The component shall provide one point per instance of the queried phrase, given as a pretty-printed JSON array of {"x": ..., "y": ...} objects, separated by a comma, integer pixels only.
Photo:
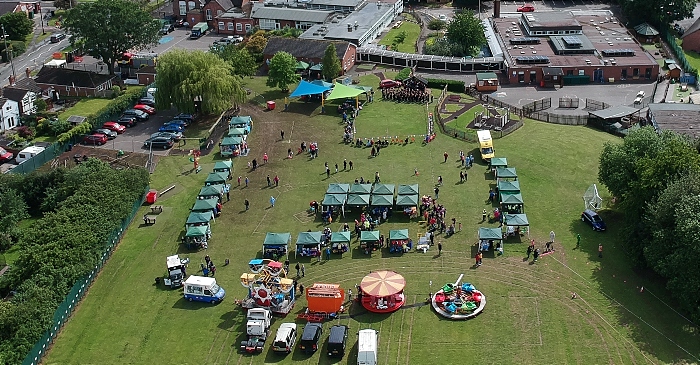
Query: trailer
[{"x": 199, "y": 30}]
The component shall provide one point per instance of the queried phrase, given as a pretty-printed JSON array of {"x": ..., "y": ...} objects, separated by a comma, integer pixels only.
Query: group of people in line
[{"x": 406, "y": 95}]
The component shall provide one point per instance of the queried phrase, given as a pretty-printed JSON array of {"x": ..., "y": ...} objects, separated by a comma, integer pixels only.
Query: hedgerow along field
[{"x": 530, "y": 317}]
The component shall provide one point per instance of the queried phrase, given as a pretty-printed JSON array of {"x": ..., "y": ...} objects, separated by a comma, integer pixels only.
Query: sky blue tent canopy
[
  {"x": 490, "y": 234},
  {"x": 338, "y": 189},
  {"x": 384, "y": 189},
  {"x": 307, "y": 88},
  {"x": 361, "y": 188},
  {"x": 508, "y": 186}
]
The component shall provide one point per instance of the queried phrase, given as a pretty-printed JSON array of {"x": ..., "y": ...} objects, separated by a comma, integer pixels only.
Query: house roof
[
  {"x": 646, "y": 29},
  {"x": 13, "y": 93},
  {"x": 27, "y": 84},
  {"x": 693, "y": 28},
  {"x": 304, "y": 48},
  {"x": 299, "y": 15},
  {"x": 228, "y": 4},
  {"x": 67, "y": 77},
  {"x": 3, "y": 101},
  {"x": 8, "y": 7},
  {"x": 151, "y": 70}
]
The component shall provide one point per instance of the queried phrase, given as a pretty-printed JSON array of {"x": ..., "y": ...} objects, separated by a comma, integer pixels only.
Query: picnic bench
[
  {"x": 157, "y": 209},
  {"x": 149, "y": 220}
]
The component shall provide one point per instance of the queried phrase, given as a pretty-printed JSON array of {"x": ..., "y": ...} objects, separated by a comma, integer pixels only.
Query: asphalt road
[{"x": 132, "y": 139}]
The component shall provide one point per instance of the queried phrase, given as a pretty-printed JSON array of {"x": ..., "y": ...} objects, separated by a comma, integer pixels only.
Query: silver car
[
  {"x": 175, "y": 136},
  {"x": 109, "y": 133}
]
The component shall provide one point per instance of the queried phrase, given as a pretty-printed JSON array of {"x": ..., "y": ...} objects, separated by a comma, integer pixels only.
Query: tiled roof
[
  {"x": 303, "y": 48},
  {"x": 62, "y": 76}
]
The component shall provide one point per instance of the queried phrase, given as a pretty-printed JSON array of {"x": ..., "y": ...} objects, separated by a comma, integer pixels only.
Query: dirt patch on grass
[{"x": 128, "y": 160}]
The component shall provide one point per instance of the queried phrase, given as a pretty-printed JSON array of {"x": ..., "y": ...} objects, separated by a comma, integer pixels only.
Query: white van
[
  {"x": 367, "y": 347},
  {"x": 28, "y": 153}
]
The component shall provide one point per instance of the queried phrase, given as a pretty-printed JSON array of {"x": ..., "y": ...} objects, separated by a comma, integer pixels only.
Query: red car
[
  {"x": 4, "y": 155},
  {"x": 145, "y": 108},
  {"x": 527, "y": 8},
  {"x": 114, "y": 126},
  {"x": 95, "y": 139},
  {"x": 385, "y": 84}
]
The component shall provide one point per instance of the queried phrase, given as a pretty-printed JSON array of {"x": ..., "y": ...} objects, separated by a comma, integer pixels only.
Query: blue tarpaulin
[{"x": 307, "y": 88}]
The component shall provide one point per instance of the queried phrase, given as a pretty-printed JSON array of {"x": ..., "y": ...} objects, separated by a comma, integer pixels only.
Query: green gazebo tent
[
  {"x": 499, "y": 162},
  {"x": 205, "y": 205},
  {"x": 506, "y": 173},
  {"x": 508, "y": 186},
  {"x": 236, "y": 132},
  {"x": 369, "y": 240},
  {"x": 398, "y": 234},
  {"x": 215, "y": 178},
  {"x": 382, "y": 200},
  {"x": 516, "y": 220},
  {"x": 509, "y": 198},
  {"x": 406, "y": 200},
  {"x": 229, "y": 144},
  {"x": 223, "y": 166},
  {"x": 276, "y": 244},
  {"x": 340, "y": 237},
  {"x": 407, "y": 189},
  {"x": 338, "y": 189},
  {"x": 195, "y": 235},
  {"x": 308, "y": 240},
  {"x": 335, "y": 200},
  {"x": 198, "y": 219},
  {"x": 358, "y": 200},
  {"x": 360, "y": 188},
  {"x": 301, "y": 65},
  {"x": 196, "y": 231},
  {"x": 383, "y": 189},
  {"x": 488, "y": 234},
  {"x": 211, "y": 191},
  {"x": 245, "y": 119}
]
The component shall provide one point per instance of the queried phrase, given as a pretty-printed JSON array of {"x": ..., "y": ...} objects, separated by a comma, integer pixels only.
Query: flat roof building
[{"x": 360, "y": 27}]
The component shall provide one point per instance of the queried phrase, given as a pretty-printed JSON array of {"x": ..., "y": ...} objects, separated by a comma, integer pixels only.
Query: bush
[
  {"x": 404, "y": 74},
  {"x": 17, "y": 47},
  {"x": 25, "y": 132},
  {"x": 452, "y": 85},
  {"x": 436, "y": 24},
  {"x": 41, "y": 105}
]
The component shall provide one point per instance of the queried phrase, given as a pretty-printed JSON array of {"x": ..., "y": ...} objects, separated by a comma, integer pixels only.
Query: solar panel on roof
[
  {"x": 618, "y": 52},
  {"x": 532, "y": 59},
  {"x": 572, "y": 41},
  {"x": 525, "y": 40}
]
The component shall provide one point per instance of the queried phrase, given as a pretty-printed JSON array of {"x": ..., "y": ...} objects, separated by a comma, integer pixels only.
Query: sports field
[{"x": 530, "y": 317}]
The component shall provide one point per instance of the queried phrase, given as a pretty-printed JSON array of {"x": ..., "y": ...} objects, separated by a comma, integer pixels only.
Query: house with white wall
[
  {"x": 25, "y": 98},
  {"x": 9, "y": 114}
]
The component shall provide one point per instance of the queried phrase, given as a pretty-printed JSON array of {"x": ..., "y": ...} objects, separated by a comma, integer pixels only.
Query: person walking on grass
[
  {"x": 350, "y": 164},
  {"x": 303, "y": 270},
  {"x": 600, "y": 250},
  {"x": 483, "y": 216},
  {"x": 345, "y": 164},
  {"x": 247, "y": 204},
  {"x": 336, "y": 168},
  {"x": 437, "y": 192},
  {"x": 298, "y": 268},
  {"x": 535, "y": 255},
  {"x": 239, "y": 181},
  {"x": 276, "y": 180},
  {"x": 439, "y": 248},
  {"x": 265, "y": 158},
  {"x": 246, "y": 181},
  {"x": 445, "y": 155},
  {"x": 272, "y": 201},
  {"x": 578, "y": 240},
  {"x": 269, "y": 182},
  {"x": 529, "y": 251},
  {"x": 282, "y": 135},
  {"x": 551, "y": 236}
]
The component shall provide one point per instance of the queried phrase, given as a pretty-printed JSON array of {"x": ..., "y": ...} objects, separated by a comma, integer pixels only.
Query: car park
[
  {"x": 527, "y": 8},
  {"x": 145, "y": 108},
  {"x": 175, "y": 136},
  {"x": 171, "y": 128},
  {"x": 189, "y": 118},
  {"x": 179, "y": 122},
  {"x": 337, "y": 340},
  {"x": 4, "y": 155},
  {"x": 167, "y": 28},
  {"x": 385, "y": 84},
  {"x": 110, "y": 134},
  {"x": 310, "y": 337},
  {"x": 95, "y": 139},
  {"x": 286, "y": 338},
  {"x": 139, "y": 115},
  {"x": 591, "y": 217},
  {"x": 114, "y": 126},
  {"x": 159, "y": 142},
  {"x": 127, "y": 121}
]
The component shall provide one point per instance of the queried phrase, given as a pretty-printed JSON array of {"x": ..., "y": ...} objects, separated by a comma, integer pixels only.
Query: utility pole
[
  {"x": 41, "y": 14},
  {"x": 8, "y": 51}
]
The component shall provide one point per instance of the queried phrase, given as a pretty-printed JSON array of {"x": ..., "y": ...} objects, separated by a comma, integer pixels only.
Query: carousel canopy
[
  {"x": 309, "y": 238},
  {"x": 506, "y": 173},
  {"x": 334, "y": 199},
  {"x": 205, "y": 204},
  {"x": 307, "y": 88},
  {"x": 338, "y": 189},
  {"x": 231, "y": 141},
  {"x": 211, "y": 190},
  {"x": 277, "y": 238},
  {"x": 361, "y": 188},
  {"x": 369, "y": 236},
  {"x": 223, "y": 165},
  {"x": 245, "y": 119},
  {"x": 358, "y": 199},
  {"x": 216, "y": 178},
  {"x": 407, "y": 189},
  {"x": 196, "y": 231},
  {"x": 383, "y": 283},
  {"x": 407, "y": 200},
  {"x": 516, "y": 199},
  {"x": 383, "y": 189},
  {"x": 398, "y": 234},
  {"x": 234, "y": 132},
  {"x": 504, "y": 186},
  {"x": 199, "y": 218},
  {"x": 382, "y": 200},
  {"x": 341, "y": 91},
  {"x": 340, "y": 237},
  {"x": 516, "y": 220},
  {"x": 499, "y": 162},
  {"x": 490, "y": 233}
]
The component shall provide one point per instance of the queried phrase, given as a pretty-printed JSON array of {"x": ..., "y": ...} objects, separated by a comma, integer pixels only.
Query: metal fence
[
  {"x": 595, "y": 105},
  {"x": 569, "y": 103},
  {"x": 678, "y": 52},
  {"x": 560, "y": 118},
  {"x": 66, "y": 308},
  {"x": 537, "y": 105}
]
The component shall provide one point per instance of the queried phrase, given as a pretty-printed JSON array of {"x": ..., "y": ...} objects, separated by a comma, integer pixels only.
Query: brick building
[{"x": 310, "y": 50}]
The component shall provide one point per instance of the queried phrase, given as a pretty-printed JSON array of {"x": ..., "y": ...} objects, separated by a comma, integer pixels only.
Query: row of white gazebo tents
[{"x": 373, "y": 195}]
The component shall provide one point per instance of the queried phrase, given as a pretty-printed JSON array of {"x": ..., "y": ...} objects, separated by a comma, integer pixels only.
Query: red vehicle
[
  {"x": 527, "y": 8},
  {"x": 4, "y": 155},
  {"x": 386, "y": 84},
  {"x": 95, "y": 139},
  {"x": 145, "y": 108},
  {"x": 114, "y": 126}
]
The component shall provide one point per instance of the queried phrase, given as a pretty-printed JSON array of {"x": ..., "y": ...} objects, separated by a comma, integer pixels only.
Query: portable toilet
[{"x": 367, "y": 347}]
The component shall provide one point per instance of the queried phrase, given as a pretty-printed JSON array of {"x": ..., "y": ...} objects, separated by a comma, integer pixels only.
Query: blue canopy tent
[{"x": 307, "y": 88}]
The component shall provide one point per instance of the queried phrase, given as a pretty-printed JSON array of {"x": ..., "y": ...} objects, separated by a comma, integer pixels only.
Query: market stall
[
  {"x": 334, "y": 201},
  {"x": 215, "y": 178},
  {"x": 225, "y": 167},
  {"x": 369, "y": 241},
  {"x": 276, "y": 245},
  {"x": 382, "y": 291},
  {"x": 360, "y": 189},
  {"x": 357, "y": 200},
  {"x": 399, "y": 241},
  {"x": 497, "y": 162},
  {"x": 230, "y": 146},
  {"x": 407, "y": 189},
  {"x": 490, "y": 238},
  {"x": 409, "y": 204},
  {"x": 516, "y": 225},
  {"x": 199, "y": 219},
  {"x": 206, "y": 205},
  {"x": 211, "y": 191},
  {"x": 243, "y": 121},
  {"x": 383, "y": 189},
  {"x": 340, "y": 242},
  {"x": 338, "y": 189},
  {"x": 308, "y": 244},
  {"x": 512, "y": 203},
  {"x": 378, "y": 200},
  {"x": 505, "y": 186},
  {"x": 506, "y": 173},
  {"x": 197, "y": 237}
]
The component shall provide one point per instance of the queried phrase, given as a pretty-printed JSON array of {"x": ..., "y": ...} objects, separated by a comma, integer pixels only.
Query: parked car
[
  {"x": 189, "y": 118},
  {"x": 145, "y": 108},
  {"x": 593, "y": 219},
  {"x": 442, "y": 17},
  {"x": 110, "y": 134},
  {"x": 385, "y": 84},
  {"x": 55, "y": 38},
  {"x": 95, "y": 139},
  {"x": 114, "y": 126},
  {"x": 139, "y": 115},
  {"x": 171, "y": 128},
  {"x": 167, "y": 28},
  {"x": 309, "y": 338},
  {"x": 148, "y": 101},
  {"x": 527, "y": 8},
  {"x": 337, "y": 340},
  {"x": 180, "y": 23},
  {"x": 286, "y": 338},
  {"x": 127, "y": 121},
  {"x": 5, "y": 156},
  {"x": 175, "y": 136},
  {"x": 179, "y": 122},
  {"x": 159, "y": 142}
]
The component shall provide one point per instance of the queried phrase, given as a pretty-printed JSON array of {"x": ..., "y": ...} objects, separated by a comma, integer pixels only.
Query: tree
[
  {"x": 184, "y": 75},
  {"x": 282, "y": 71},
  {"x": 436, "y": 24},
  {"x": 17, "y": 25},
  {"x": 256, "y": 44},
  {"x": 658, "y": 13},
  {"x": 111, "y": 27},
  {"x": 241, "y": 61},
  {"x": 466, "y": 30},
  {"x": 401, "y": 37},
  {"x": 331, "y": 63}
]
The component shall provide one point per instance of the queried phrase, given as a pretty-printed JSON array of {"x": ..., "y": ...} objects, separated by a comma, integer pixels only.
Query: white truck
[
  {"x": 176, "y": 271},
  {"x": 258, "y": 323},
  {"x": 367, "y": 347}
]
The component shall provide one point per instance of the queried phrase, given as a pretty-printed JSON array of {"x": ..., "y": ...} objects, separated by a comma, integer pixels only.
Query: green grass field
[
  {"x": 84, "y": 107},
  {"x": 530, "y": 317},
  {"x": 409, "y": 44}
]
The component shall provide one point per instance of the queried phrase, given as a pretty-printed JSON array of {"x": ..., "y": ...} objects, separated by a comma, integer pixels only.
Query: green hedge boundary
[{"x": 452, "y": 85}]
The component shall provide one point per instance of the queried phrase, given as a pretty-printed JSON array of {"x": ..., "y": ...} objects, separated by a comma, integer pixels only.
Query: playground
[
  {"x": 530, "y": 316},
  {"x": 464, "y": 112}
]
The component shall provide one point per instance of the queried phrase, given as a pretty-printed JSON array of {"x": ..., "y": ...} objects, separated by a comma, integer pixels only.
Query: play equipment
[
  {"x": 176, "y": 271},
  {"x": 491, "y": 117},
  {"x": 268, "y": 287},
  {"x": 455, "y": 301},
  {"x": 591, "y": 199},
  {"x": 258, "y": 322},
  {"x": 382, "y": 291}
]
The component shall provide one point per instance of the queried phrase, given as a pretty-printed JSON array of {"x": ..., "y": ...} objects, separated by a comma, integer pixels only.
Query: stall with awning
[
  {"x": 301, "y": 65},
  {"x": 242, "y": 121},
  {"x": 340, "y": 242},
  {"x": 338, "y": 189},
  {"x": 516, "y": 225},
  {"x": 512, "y": 203},
  {"x": 487, "y": 237},
  {"x": 237, "y": 132},
  {"x": 505, "y": 186},
  {"x": 335, "y": 200},
  {"x": 398, "y": 241},
  {"x": 361, "y": 200},
  {"x": 360, "y": 188},
  {"x": 276, "y": 245},
  {"x": 230, "y": 146},
  {"x": 199, "y": 219},
  {"x": 383, "y": 189},
  {"x": 378, "y": 200},
  {"x": 407, "y": 189},
  {"x": 211, "y": 191},
  {"x": 407, "y": 200},
  {"x": 506, "y": 173},
  {"x": 196, "y": 237},
  {"x": 215, "y": 178},
  {"x": 497, "y": 162},
  {"x": 369, "y": 240},
  {"x": 225, "y": 167},
  {"x": 205, "y": 205},
  {"x": 308, "y": 244}
]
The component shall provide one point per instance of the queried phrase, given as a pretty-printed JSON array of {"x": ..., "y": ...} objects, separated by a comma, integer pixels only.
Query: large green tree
[
  {"x": 17, "y": 25},
  {"x": 282, "y": 71},
  {"x": 331, "y": 63},
  {"x": 185, "y": 75},
  {"x": 466, "y": 30},
  {"x": 659, "y": 13},
  {"x": 109, "y": 28},
  {"x": 241, "y": 61}
]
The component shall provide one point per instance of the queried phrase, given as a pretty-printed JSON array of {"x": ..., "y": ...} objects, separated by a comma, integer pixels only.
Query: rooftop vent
[{"x": 349, "y": 27}]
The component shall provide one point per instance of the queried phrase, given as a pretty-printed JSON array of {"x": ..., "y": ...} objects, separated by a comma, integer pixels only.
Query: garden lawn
[
  {"x": 84, "y": 108},
  {"x": 694, "y": 59},
  {"x": 530, "y": 317},
  {"x": 409, "y": 44}
]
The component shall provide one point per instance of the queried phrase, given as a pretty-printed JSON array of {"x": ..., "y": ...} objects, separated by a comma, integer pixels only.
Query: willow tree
[{"x": 186, "y": 78}]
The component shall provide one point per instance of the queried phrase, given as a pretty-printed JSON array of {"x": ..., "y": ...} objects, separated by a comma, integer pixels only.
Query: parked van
[
  {"x": 485, "y": 145},
  {"x": 28, "y": 153},
  {"x": 286, "y": 338},
  {"x": 203, "y": 289},
  {"x": 367, "y": 347},
  {"x": 337, "y": 340},
  {"x": 199, "y": 30}
]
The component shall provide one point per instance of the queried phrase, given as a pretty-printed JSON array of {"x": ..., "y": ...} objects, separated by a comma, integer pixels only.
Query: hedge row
[
  {"x": 17, "y": 47},
  {"x": 452, "y": 85}
]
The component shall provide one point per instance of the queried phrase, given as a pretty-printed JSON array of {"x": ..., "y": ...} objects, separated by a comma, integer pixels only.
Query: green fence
[
  {"x": 678, "y": 52},
  {"x": 66, "y": 308}
]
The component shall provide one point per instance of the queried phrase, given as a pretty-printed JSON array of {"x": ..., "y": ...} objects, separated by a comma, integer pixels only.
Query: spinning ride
[
  {"x": 455, "y": 301},
  {"x": 268, "y": 287},
  {"x": 382, "y": 291}
]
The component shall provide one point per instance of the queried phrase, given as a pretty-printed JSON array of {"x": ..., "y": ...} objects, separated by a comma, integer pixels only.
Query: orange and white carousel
[{"x": 382, "y": 291}]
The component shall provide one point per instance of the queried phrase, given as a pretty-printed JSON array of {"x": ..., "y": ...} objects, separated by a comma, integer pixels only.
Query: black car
[
  {"x": 139, "y": 115},
  {"x": 189, "y": 118},
  {"x": 167, "y": 28},
  {"x": 127, "y": 121},
  {"x": 337, "y": 339},
  {"x": 159, "y": 142},
  {"x": 55, "y": 38},
  {"x": 110, "y": 134},
  {"x": 593, "y": 219},
  {"x": 147, "y": 101},
  {"x": 310, "y": 337}
]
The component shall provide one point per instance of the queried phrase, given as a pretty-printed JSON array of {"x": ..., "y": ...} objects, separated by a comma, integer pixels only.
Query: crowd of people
[{"x": 407, "y": 95}]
